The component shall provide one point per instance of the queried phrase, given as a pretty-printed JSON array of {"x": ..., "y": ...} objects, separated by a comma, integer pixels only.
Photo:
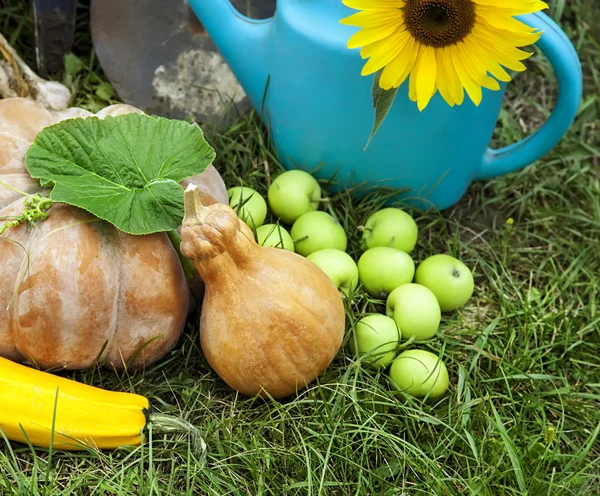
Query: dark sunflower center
[{"x": 439, "y": 23}]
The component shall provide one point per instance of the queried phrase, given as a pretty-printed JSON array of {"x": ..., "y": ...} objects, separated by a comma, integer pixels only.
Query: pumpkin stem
[
  {"x": 193, "y": 207},
  {"x": 161, "y": 423}
]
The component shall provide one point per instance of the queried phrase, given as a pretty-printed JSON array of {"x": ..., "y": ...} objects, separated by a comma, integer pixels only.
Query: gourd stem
[
  {"x": 186, "y": 263},
  {"x": 192, "y": 204},
  {"x": 35, "y": 207},
  {"x": 161, "y": 423}
]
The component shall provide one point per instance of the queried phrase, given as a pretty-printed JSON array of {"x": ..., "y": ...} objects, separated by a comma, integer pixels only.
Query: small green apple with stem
[
  {"x": 416, "y": 311},
  {"x": 314, "y": 231},
  {"x": 275, "y": 236},
  {"x": 382, "y": 269},
  {"x": 339, "y": 266},
  {"x": 419, "y": 373},
  {"x": 450, "y": 280},
  {"x": 293, "y": 193},
  {"x": 377, "y": 336},
  {"x": 249, "y": 204},
  {"x": 391, "y": 227}
]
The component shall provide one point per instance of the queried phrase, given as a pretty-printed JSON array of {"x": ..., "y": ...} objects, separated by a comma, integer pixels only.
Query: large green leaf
[
  {"x": 382, "y": 102},
  {"x": 124, "y": 169}
]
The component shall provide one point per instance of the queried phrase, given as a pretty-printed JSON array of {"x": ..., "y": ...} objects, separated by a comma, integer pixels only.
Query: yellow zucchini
[{"x": 32, "y": 402}]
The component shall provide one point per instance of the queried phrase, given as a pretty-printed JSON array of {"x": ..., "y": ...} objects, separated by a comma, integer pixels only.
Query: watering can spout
[{"x": 243, "y": 43}]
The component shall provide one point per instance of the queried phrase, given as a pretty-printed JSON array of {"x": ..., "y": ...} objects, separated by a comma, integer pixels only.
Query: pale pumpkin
[
  {"x": 74, "y": 290},
  {"x": 271, "y": 320}
]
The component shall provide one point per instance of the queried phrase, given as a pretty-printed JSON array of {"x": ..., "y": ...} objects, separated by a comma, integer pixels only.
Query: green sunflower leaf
[
  {"x": 125, "y": 169},
  {"x": 382, "y": 102}
]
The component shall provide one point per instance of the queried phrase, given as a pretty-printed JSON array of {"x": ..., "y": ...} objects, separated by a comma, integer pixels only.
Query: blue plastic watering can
[{"x": 306, "y": 86}]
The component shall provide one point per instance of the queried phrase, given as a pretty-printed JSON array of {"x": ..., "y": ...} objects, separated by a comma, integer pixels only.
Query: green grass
[{"x": 522, "y": 416}]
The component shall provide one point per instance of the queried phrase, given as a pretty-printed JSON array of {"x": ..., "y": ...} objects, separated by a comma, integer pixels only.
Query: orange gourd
[
  {"x": 74, "y": 290},
  {"x": 271, "y": 320}
]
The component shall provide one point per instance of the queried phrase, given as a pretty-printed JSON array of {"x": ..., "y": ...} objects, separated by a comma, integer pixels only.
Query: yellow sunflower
[{"x": 443, "y": 45}]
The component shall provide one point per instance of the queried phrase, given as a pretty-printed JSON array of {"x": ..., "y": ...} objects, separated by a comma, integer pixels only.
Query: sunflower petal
[
  {"x": 395, "y": 72},
  {"x": 472, "y": 88},
  {"x": 476, "y": 71},
  {"x": 451, "y": 76},
  {"x": 383, "y": 52},
  {"x": 374, "y": 4},
  {"x": 373, "y": 19},
  {"x": 501, "y": 57},
  {"x": 405, "y": 64},
  {"x": 502, "y": 21},
  {"x": 519, "y": 6},
  {"x": 519, "y": 39},
  {"x": 371, "y": 35},
  {"x": 412, "y": 80},
  {"x": 411, "y": 47},
  {"x": 510, "y": 39},
  {"x": 412, "y": 86},
  {"x": 486, "y": 61},
  {"x": 442, "y": 80},
  {"x": 426, "y": 76},
  {"x": 380, "y": 48}
]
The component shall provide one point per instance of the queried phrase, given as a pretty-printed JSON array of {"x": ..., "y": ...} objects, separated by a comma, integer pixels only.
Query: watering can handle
[{"x": 563, "y": 57}]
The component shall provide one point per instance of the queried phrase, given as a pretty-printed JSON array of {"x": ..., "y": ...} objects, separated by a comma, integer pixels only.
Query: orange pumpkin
[{"x": 75, "y": 290}]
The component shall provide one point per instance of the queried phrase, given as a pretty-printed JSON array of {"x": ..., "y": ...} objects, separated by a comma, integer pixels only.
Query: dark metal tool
[
  {"x": 159, "y": 58},
  {"x": 54, "y": 33}
]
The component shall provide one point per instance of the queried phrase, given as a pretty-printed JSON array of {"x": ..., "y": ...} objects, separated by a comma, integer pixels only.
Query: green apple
[
  {"x": 419, "y": 373},
  {"x": 416, "y": 311},
  {"x": 382, "y": 269},
  {"x": 339, "y": 266},
  {"x": 391, "y": 227},
  {"x": 249, "y": 204},
  {"x": 314, "y": 231},
  {"x": 450, "y": 280},
  {"x": 377, "y": 336},
  {"x": 293, "y": 193},
  {"x": 275, "y": 236}
]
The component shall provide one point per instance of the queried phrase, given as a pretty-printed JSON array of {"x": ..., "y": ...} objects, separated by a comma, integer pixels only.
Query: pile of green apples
[{"x": 415, "y": 296}]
